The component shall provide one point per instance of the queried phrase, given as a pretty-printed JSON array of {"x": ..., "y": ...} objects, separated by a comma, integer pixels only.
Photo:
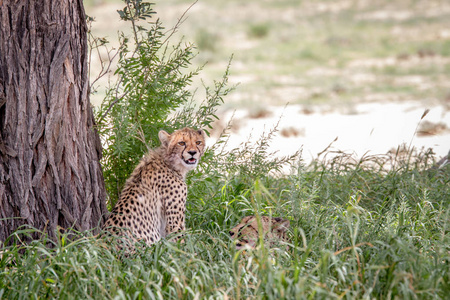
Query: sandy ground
[{"x": 369, "y": 129}]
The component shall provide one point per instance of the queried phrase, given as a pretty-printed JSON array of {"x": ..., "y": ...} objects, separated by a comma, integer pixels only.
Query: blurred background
[{"x": 353, "y": 76}]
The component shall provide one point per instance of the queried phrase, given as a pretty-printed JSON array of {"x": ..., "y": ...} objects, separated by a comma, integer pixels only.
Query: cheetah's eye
[
  {"x": 181, "y": 143},
  {"x": 198, "y": 142}
]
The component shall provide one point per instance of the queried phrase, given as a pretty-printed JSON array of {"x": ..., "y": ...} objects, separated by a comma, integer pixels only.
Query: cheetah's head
[
  {"x": 247, "y": 231},
  {"x": 183, "y": 148}
]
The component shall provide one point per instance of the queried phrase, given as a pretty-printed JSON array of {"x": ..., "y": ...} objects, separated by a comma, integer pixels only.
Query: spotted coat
[
  {"x": 153, "y": 200},
  {"x": 247, "y": 231}
]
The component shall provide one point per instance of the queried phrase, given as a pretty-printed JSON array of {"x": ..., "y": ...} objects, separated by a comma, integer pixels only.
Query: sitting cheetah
[
  {"x": 153, "y": 200},
  {"x": 247, "y": 232}
]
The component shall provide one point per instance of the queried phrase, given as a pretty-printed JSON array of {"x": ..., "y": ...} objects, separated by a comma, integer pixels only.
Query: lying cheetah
[
  {"x": 247, "y": 232},
  {"x": 153, "y": 200}
]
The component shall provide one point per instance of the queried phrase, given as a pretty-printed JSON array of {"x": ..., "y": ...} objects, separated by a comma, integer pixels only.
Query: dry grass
[{"x": 315, "y": 51}]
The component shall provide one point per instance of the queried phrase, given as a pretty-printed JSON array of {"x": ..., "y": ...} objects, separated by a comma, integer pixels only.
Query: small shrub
[
  {"x": 206, "y": 40},
  {"x": 258, "y": 30},
  {"x": 152, "y": 92}
]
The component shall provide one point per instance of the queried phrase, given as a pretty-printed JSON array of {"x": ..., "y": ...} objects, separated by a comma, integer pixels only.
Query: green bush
[
  {"x": 258, "y": 30},
  {"x": 206, "y": 41},
  {"x": 152, "y": 92}
]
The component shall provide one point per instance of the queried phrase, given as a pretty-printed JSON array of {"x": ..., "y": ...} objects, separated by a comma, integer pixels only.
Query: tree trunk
[{"x": 50, "y": 173}]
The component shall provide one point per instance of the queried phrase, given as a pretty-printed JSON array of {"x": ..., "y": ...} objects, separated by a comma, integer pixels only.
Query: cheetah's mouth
[{"x": 190, "y": 161}]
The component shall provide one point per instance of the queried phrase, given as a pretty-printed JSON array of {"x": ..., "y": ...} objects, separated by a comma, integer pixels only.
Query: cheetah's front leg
[{"x": 175, "y": 220}]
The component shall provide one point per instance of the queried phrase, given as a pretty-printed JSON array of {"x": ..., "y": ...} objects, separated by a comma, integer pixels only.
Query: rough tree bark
[{"x": 49, "y": 150}]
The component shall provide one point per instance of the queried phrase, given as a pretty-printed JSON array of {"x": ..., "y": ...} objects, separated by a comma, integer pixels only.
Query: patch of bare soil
[{"x": 428, "y": 128}]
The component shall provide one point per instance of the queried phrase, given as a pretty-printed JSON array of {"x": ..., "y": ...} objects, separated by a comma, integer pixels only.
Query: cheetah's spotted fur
[
  {"x": 152, "y": 202},
  {"x": 247, "y": 231}
]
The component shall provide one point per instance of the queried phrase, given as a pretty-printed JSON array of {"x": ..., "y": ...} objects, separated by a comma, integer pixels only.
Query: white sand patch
[
  {"x": 241, "y": 79},
  {"x": 382, "y": 15},
  {"x": 374, "y": 128}
]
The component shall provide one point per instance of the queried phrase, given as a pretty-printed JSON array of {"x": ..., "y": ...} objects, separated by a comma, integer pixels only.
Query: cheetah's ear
[
  {"x": 281, "y": 225},
  {"x": 201, "y": 132},
  {"x": 164, "y": 137},
  {"x": 246, "y": 219}
]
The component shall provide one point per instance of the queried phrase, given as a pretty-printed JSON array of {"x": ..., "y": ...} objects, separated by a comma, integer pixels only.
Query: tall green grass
[{"x": 357, "y": 232}]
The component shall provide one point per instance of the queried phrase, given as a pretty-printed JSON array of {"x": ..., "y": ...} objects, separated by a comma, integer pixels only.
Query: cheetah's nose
[{"x": 192, "y": 152}]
